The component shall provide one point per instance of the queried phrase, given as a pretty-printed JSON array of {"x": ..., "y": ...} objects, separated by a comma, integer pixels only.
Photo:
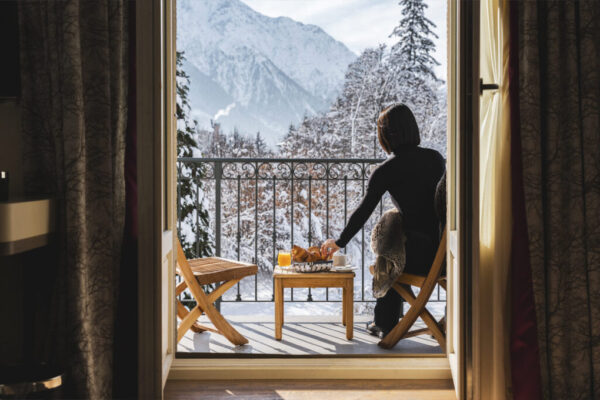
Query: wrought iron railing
[{"x": 260, "y": 205}]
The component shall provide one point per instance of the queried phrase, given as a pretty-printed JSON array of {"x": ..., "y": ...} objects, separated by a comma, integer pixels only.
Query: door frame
[
  {"x": 468, "y": 218},
  {"x": 463, "y": 194},
  {"x": 155, "y": 27},
  {"x": 156, "y": 180}
]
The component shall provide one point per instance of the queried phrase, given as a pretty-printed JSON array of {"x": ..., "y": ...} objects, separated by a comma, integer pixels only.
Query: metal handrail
[{"x": 271, "y": 172}]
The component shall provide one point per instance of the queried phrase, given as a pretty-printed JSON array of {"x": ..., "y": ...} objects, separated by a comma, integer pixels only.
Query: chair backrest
[
  {"x": 438, "y": 262},
  {"x": 185, "y": 270},
  {"x": 441, "y": 251}
]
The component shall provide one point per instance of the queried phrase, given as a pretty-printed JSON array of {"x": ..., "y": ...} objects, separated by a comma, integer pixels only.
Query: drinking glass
[{"x": 284, "y": 258}]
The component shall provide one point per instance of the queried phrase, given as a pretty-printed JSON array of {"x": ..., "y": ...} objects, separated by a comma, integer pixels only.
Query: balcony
[{"x": 256, "y": 206}]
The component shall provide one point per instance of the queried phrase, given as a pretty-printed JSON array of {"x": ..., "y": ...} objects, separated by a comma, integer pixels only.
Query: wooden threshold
[
  {"x": 312, "y": 389},
  {"x": 203, "y": 356},
  {"x": 421, "y": 367}
]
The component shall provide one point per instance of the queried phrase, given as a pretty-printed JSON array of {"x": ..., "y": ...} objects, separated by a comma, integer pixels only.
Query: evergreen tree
[
  {"x": 260, "y": 147},
  {"x": 414, "y": 49},
  {"x": 197, "y": 242},
  {"x": 413, "y": 63}
]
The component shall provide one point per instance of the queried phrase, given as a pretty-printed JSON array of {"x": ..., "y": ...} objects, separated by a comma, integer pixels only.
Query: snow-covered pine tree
[
  {"x": 260, "y": 146},
  {"x": 285, "y": 147},
  {"x": 414, "y": 49},
  {"x": 194, "y": 236},
  {"x": 413, "y": 62},
  {"x": 303, "y": 141}
]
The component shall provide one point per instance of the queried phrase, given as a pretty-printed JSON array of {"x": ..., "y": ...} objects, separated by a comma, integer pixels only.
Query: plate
[{"x": 344, "y": 268}]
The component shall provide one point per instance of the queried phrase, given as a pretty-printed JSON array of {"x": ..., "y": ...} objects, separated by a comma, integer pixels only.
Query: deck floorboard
[{"x": 302, "y": 335}]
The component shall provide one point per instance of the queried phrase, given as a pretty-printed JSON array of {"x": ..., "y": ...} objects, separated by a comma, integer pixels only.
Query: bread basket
[{"x": 317, "y": 266}]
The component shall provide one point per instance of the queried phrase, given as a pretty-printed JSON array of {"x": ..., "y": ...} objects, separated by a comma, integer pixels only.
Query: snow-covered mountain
[{"x": 255, "y": 72}]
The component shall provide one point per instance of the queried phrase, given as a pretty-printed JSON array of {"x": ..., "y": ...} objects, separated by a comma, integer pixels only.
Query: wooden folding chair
[
  {"x": 206, "y": 271},
  {"x": 417, "y": 304}
]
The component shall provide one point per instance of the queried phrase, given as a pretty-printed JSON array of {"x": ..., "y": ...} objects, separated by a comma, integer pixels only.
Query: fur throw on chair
[{"x": 388, "y": 243}]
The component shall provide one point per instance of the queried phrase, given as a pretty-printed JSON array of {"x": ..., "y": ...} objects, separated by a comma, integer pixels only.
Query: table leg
[
  {"x": 344, "y": 308},
  {"x": 278, "y": 308},
  {"x": 349, "y": 306}
]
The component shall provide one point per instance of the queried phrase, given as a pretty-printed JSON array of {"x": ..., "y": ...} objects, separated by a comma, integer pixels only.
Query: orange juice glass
[{"x": 284, "y": 258}]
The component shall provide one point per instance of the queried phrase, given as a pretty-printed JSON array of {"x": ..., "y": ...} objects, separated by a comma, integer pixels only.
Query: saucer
[{"x": 344, "y": 268}]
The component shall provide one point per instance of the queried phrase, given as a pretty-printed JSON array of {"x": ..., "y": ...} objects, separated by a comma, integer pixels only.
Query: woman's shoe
[{"x": 373, "y": 329}]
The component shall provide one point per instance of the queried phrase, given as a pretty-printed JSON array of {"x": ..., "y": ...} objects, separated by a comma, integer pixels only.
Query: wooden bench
[{"x": 208, "y": 271}]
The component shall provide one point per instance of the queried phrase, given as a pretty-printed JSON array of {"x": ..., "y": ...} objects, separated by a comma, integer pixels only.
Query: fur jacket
[{"x": 388, "y": 243}]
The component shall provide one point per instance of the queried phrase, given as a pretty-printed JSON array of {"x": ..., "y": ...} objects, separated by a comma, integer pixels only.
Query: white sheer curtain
[{"x": 495, "y": 217}]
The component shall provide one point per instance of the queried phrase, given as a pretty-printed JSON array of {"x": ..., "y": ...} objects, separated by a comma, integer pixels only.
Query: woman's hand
[{"x": 328, "y": 248}]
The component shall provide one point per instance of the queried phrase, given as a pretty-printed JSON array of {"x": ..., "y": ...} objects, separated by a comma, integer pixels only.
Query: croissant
[
  {"x": 312, "y": 254},
  {"x": 299, "y": 254}
]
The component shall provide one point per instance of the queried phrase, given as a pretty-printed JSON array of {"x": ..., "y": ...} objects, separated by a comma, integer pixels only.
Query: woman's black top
[{"x": 410, "y": 176}]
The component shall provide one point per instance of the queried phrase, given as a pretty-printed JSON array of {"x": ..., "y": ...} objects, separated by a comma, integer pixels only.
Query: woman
[{"x": 410, "y": 175}]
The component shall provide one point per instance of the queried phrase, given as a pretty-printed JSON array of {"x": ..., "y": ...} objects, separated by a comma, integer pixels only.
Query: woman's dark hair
[{"x": 396, "y": 127}]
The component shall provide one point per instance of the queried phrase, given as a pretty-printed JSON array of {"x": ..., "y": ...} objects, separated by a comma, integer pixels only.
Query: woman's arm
[
  {"x": 356, "y": 221},
  {"x": 360, "y": 216},
  {"x": 375, "y": 189}
]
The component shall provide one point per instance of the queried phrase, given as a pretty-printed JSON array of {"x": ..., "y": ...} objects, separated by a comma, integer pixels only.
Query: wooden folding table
[{"x": 344, "y": 280}]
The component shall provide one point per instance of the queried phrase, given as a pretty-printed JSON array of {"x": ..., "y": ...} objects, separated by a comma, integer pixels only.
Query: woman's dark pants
[
  {"x": 388, "y": 310},
  {"x": 420, "y": 251}
]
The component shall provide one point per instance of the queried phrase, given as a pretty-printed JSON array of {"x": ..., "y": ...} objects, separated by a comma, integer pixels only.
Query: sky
[{"x": 358, "y": 24}]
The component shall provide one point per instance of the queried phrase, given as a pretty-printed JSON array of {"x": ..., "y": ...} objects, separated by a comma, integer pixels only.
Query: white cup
[{"x": 339, "y": 260}]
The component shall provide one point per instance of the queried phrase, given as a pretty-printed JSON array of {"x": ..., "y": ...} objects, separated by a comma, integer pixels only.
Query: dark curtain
[
  {"x": 559, "y": 133},
  {"x": 524, "y": 351},
  {"x": 74, "y": 74},
  {"x": 126, "y": 322}
]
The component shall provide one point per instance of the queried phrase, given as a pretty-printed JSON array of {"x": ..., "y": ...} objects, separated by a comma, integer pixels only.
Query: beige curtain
[{"x": 495, "y": 202}]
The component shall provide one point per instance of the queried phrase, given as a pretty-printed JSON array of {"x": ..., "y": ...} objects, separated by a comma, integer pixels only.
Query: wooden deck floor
[{"x": 302, "y": 336}]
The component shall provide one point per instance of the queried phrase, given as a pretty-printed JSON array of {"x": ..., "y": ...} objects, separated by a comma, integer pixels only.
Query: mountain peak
[{"x": 256, "y": 59}]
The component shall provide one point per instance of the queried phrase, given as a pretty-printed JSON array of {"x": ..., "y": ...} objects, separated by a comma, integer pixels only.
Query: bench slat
[{"x": 216, "y": 269}]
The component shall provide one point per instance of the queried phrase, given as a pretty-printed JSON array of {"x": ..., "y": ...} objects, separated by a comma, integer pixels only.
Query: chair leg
[
  {"x": 182, "y": 312},
  {"x": 425, "y": 315},
  {"x": 188, "y": 321},
  {"x": 399, "y": 330},
  {"x": 416, "y": 310},
  {"x": 223, "y": 326}
]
